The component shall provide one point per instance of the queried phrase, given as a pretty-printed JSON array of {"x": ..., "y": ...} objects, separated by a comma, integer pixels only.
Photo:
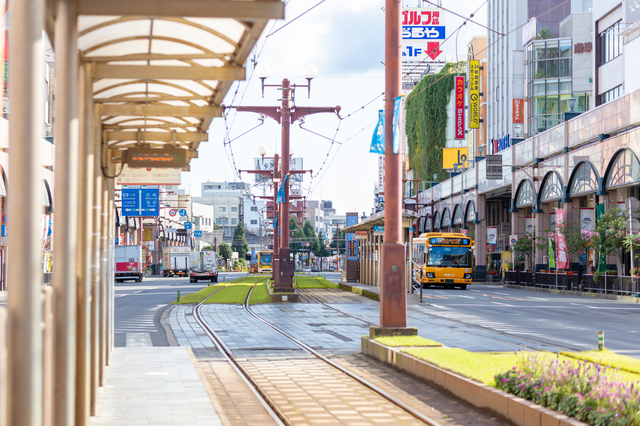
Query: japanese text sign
[
  {"x": 563, "y": 256},
  {"x": 474, "y": 94},
  {"x": 459, "y": 108}
]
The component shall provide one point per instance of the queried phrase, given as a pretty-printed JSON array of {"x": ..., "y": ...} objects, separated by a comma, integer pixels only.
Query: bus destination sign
[{"x": 449, "y": 241}]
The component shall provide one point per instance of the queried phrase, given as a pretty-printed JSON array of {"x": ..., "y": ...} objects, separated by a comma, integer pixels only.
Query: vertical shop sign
[
  {"x": 518, "y": 116},
  {"x": 459, "y": 108},
  {"x": 474, "y": 94},
  {"x": 561, "y": 242}
]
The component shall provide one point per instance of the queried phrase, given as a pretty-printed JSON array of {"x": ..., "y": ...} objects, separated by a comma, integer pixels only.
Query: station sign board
[
  {"x": 154, "y": 157},
  {"x": 361, "y": 235},
  {"x": 149, "y": 176}
]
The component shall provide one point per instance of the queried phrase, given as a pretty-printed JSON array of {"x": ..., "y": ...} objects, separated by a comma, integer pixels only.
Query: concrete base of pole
[
  {"x": 392, "y": 331},
  {"x": 393, "y": 294},
  {"x": 284, "y": 282}
]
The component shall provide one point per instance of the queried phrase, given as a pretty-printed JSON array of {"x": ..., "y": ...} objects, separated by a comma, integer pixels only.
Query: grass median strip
[
  {"x": 609, "y": 359},
  {"x": 230, "y": 292},
  {"x": 315, "y": 282},
  {"x": 476, "y": 365}
]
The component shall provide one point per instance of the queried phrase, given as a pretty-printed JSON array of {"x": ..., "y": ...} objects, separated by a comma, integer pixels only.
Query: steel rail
[
  {"x": 479, "y": 327},
  {"x": 331, "y": 307},
  {"x": 354, "y": 376},
  {"x": 269, "y": 406}
]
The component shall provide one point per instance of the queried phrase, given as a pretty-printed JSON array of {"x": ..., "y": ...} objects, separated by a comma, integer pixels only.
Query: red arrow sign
[{"x": 433, "y": 49}]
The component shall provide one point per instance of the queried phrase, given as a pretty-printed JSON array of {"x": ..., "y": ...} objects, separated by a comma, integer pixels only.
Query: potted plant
[
  {"x": 490, "y": 269},
  {"x": 635, "y": 272}
]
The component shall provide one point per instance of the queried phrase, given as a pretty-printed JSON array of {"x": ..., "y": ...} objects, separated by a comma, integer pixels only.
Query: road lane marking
[
  {"x": 503, "y": 304},
  {"x": 466, "y": 297},
  {"x": 504, "y": 294}
]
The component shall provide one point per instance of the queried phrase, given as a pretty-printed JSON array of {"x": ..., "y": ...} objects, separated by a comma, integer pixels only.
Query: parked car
[{"x": 315, "y": 269}]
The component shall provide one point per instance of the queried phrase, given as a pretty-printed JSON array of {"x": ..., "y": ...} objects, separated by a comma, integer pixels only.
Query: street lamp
[
  {"x": 263, "y": 71},
  {"x": 309, "y": 72}
]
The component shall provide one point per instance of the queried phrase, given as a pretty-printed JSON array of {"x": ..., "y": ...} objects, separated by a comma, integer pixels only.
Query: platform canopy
[
  {"x": 161, "y": 68},
  {"x": 409, "y": 218}
]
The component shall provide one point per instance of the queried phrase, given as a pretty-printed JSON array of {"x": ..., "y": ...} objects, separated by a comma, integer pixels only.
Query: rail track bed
[{"x": 297, "y": 383}]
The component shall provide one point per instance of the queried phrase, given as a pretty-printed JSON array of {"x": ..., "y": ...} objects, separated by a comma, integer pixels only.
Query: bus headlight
[
  {"x": 431, "y": 275},
  {"x": 467, "y": 276}
]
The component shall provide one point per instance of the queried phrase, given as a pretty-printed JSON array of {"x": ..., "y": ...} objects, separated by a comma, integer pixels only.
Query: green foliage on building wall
[{"x": 426, "y": 122}]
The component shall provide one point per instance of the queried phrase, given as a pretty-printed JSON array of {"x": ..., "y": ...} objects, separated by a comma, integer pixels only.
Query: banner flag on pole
[
  {"x": 280, "y": 198},
  {"x": 377, "y": 141},
  {"x": 275, "y": 220},
  {"x": 396, "y": 126},
  {"x": 552, "y": 259},
  {"x": 561, "y": 242}
]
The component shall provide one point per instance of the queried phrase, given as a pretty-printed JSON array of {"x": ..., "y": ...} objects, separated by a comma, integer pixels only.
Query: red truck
[{"x": 129, "y": 263}]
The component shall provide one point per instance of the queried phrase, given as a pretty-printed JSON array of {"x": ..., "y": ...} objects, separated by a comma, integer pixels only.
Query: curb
[
  {"x": 164, "y": 322},
  {"x": 362, "y": 292},
  {"x": 280, "y": 297},
  {"x": 629, "y": 299},
  {"x": 520, "y": 411}
]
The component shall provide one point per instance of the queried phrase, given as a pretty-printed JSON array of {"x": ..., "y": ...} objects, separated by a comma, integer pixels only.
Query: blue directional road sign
[
  {"x": 187, "y": 225},
  {"x": 183, "y": 212},
  {"x": 140, "y": 201},
  {"x": 197, "y": 234}
]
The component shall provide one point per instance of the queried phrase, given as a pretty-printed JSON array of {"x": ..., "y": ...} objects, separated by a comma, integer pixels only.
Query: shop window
[
  {"x": 624, "y": 169},
  {"x": 446, "y": 218},
  {"x": 584, "y": 180},
  {"x": 524, "y": 196}
]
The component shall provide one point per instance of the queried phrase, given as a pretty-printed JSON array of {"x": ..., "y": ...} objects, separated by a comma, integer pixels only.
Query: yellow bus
[
  {"x": 443, "y": 259},
  {"x": 264, "y": 260}
]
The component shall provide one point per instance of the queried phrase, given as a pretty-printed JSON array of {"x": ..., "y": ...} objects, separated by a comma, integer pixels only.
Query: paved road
[
  {"x": 139, "y": 306},
  {"x": 541, "y": 318}
]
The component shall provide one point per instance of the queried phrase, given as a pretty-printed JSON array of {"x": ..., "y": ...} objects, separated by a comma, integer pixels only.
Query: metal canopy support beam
[
  {"x": 146, "y": 99},
  {"x": 148, "y": 126},
  {"x": 65, "y": 219},
  {"x": 169, "y": 72},
  {"x": 155, "y": 136},
  {"x": 24, "y": 325},
  {"x": 241, "y": 10},
  {"x": 153, "y": 57},
  {"x": 161, "y": 110}
]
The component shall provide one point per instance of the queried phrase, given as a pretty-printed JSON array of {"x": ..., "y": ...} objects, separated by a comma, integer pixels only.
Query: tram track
[
  {"x": 279, "y": 417},
  {"x": 462, "y": 323}
]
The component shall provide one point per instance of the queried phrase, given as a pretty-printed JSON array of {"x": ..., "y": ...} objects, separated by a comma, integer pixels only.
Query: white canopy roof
[{"x": 160, "y": 76}]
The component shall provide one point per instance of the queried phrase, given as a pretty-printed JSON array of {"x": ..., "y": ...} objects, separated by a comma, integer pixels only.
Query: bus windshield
[
  {"x": 266, "y": 258},
  {"x": 449, "y": 256}
]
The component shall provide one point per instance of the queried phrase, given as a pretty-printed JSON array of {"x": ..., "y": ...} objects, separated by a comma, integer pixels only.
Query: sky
[{"x": 344, "y": 40}]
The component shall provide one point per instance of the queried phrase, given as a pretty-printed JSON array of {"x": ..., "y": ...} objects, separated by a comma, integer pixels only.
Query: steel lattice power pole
[
  {"x": 393, "y": 298},
  {"x": 285, "y": 115}
]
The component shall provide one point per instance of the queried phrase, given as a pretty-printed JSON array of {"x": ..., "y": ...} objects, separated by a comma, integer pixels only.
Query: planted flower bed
[{"x": 589, "y": 392}]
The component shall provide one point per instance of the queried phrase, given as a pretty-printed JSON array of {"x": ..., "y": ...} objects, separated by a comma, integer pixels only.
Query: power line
[{"x": 303, "y": 13}]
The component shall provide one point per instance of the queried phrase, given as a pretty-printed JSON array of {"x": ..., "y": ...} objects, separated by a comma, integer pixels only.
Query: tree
[
  {"x": 320, "y": 249},
  {"x": 338, "y": 241},
  {"x": 524, "y": 245},
  {"x": 215, "y": 227},
  {"x": 544, "y": 33},
  {"x": 608, "y": 238},
  {"x": 239, "y": 243},
  {"x": 208, "y": 248},
  {"x": 224, "y": 251}
]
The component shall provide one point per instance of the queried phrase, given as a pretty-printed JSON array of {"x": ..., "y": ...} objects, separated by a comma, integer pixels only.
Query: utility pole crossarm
[
  {"x": 273, "y": 112},
  {"x": 300, "y": 112},
  {"x": 268, "y": 173}
]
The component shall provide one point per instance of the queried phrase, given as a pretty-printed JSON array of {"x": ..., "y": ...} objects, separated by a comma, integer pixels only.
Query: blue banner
[
  {"x": 377, "y": 141},
  {"x": 253, "y": 255},
  {"x": 275, "y": 220},
  {"x": 396, "y": 126},
  {"x": 280, "y": 198}
]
